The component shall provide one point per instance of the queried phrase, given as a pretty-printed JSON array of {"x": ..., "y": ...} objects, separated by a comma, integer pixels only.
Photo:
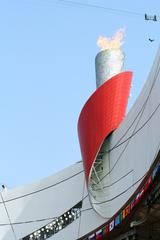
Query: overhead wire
[
  {"x": 108, "y": 9},
  {"x": 97, "y": 6},
  {"x": 112, "y": 10}
]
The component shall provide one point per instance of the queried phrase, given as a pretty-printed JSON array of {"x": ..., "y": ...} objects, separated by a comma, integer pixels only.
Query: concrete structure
[{"x": 120, "y": 173}]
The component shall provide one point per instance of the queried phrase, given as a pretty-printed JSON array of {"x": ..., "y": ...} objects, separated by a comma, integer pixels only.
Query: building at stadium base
[{"x": 113, "y": 193}]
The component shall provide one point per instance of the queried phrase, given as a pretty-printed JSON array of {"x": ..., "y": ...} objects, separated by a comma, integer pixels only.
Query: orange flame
[{"x": 111, "y": 43}]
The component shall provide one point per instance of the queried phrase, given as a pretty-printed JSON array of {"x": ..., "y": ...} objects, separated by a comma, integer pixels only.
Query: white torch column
[{"x": 108, "y": 63}]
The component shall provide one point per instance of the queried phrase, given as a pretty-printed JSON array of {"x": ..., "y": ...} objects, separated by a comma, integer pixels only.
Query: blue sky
[{"x": 47, "y": 53}]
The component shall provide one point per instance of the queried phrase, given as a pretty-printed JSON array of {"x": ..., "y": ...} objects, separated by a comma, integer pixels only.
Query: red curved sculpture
[{"x": 102, "y": 114}]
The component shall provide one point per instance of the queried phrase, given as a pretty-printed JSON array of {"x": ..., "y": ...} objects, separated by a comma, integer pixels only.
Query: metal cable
[{"x": 96, "y": 6}]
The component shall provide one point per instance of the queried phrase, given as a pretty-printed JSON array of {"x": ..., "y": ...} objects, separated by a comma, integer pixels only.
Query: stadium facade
[{"x": 110, "y": 192}]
